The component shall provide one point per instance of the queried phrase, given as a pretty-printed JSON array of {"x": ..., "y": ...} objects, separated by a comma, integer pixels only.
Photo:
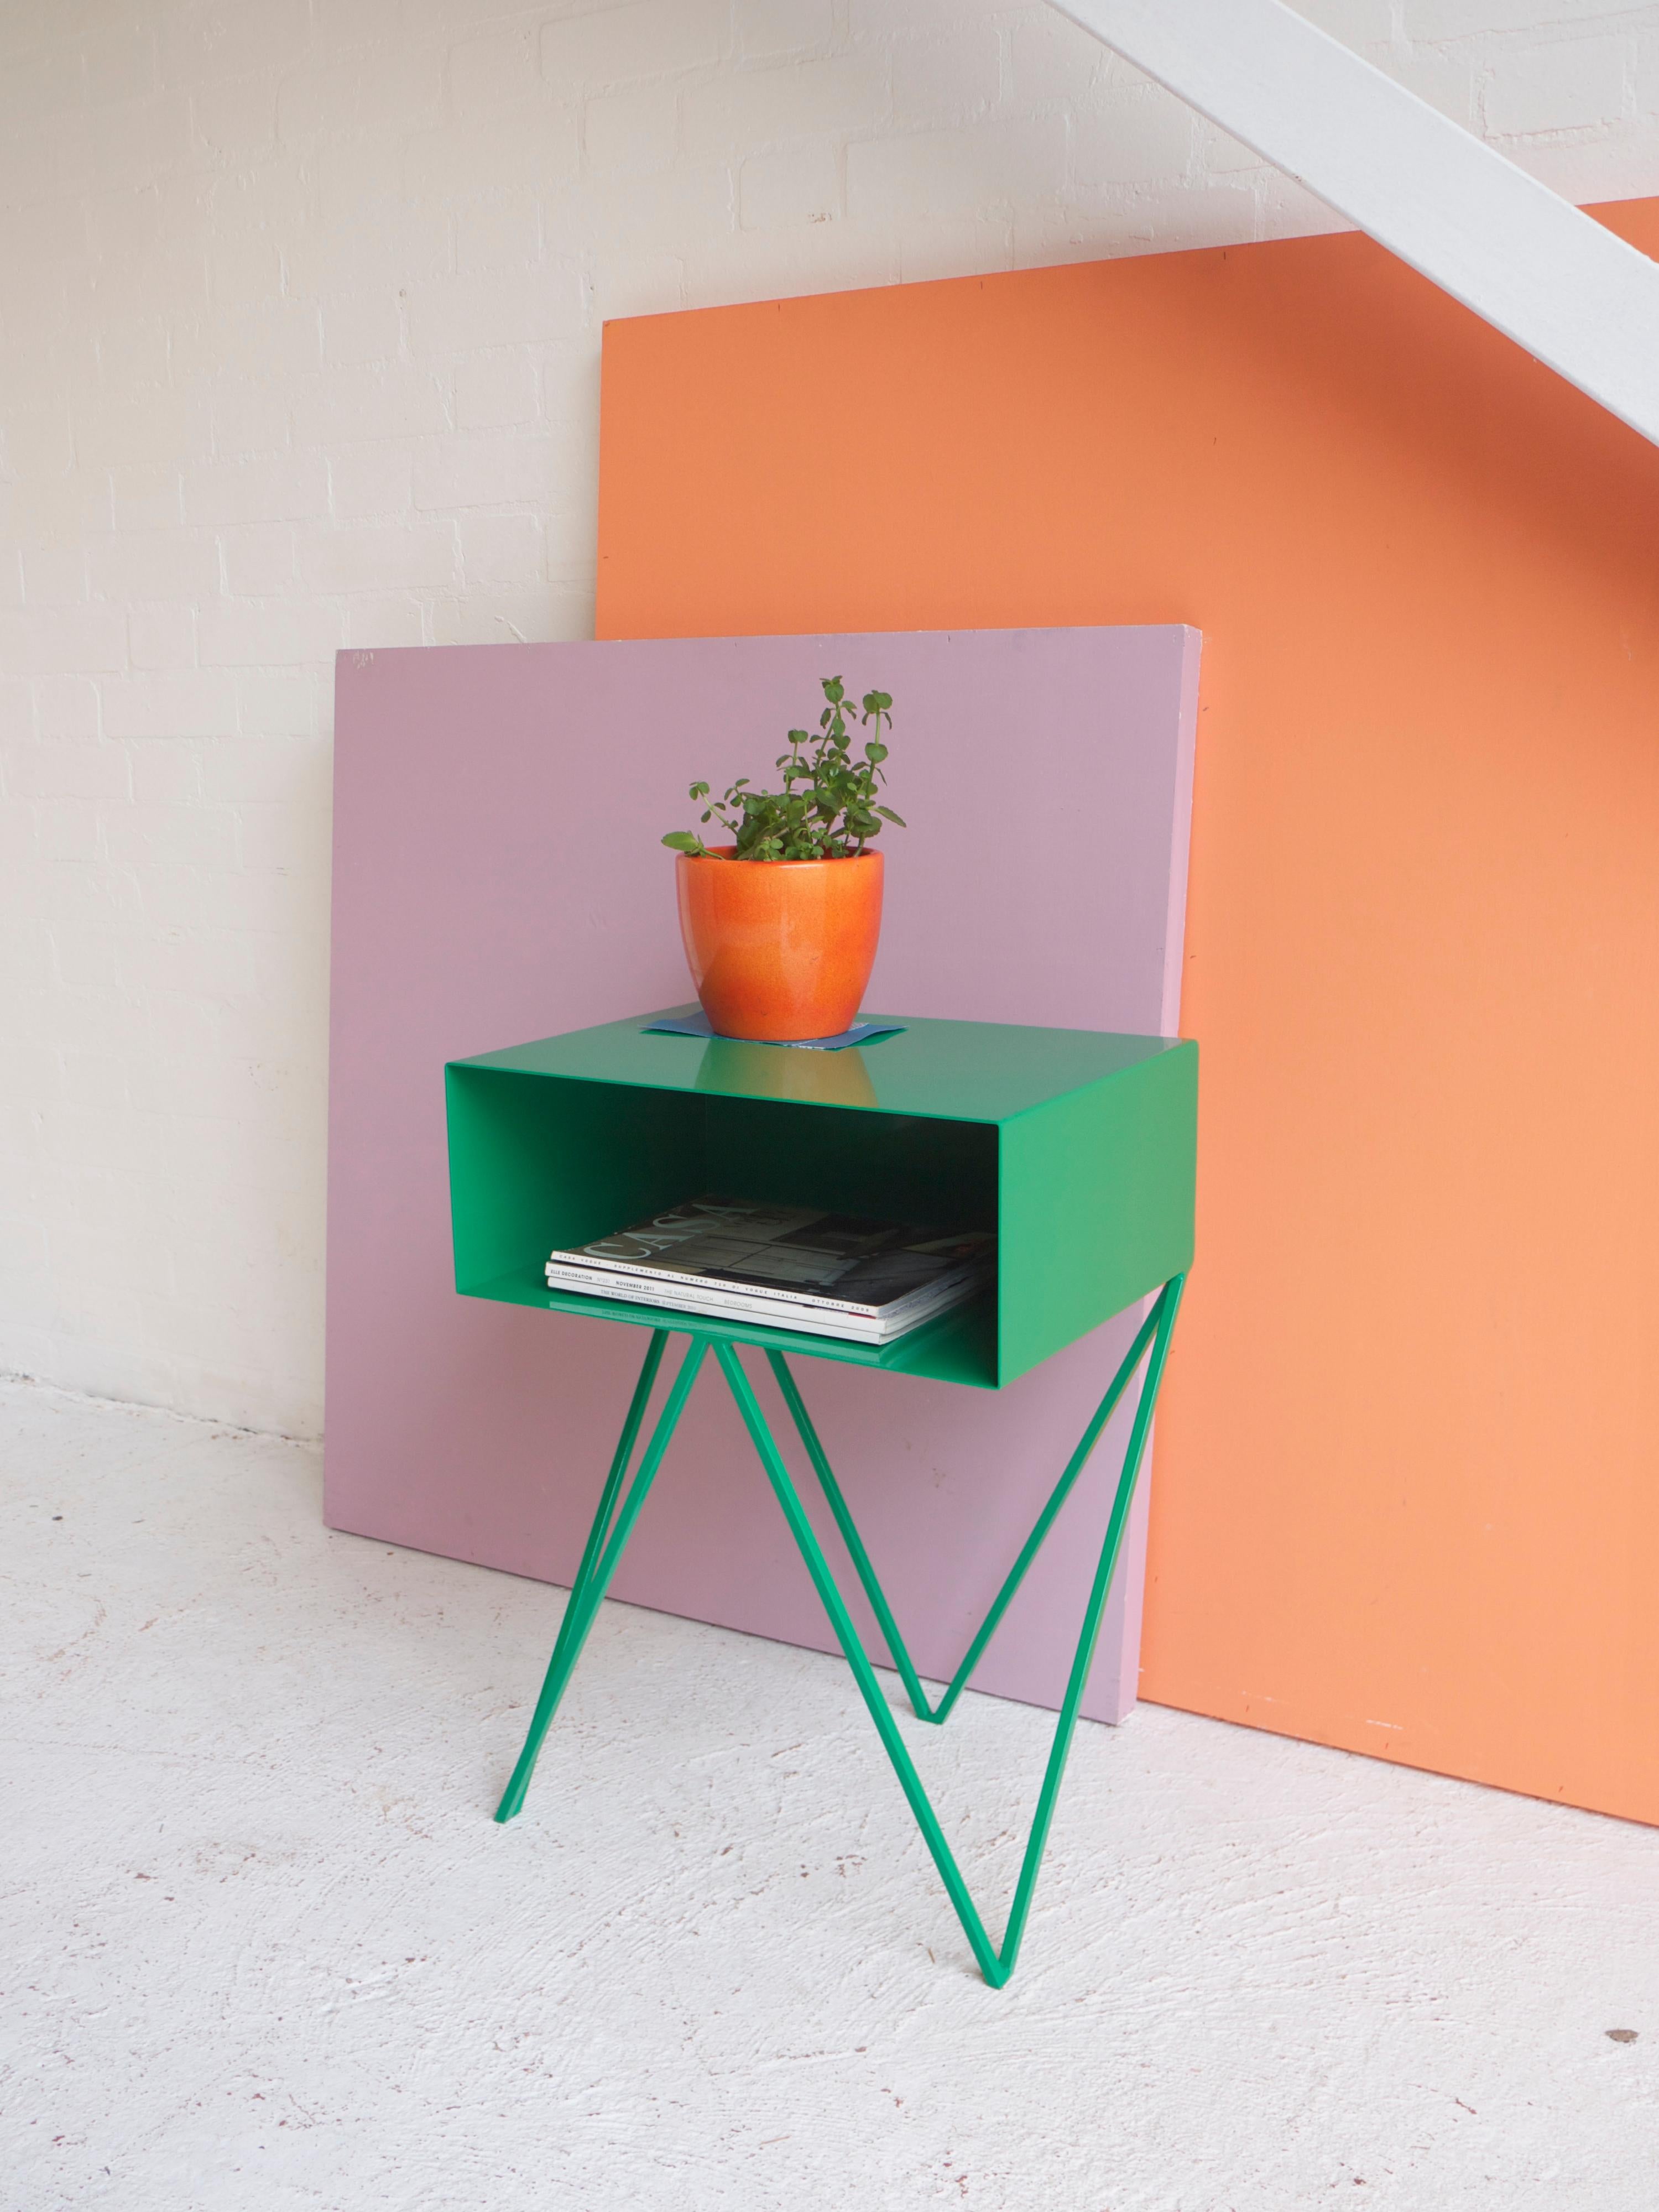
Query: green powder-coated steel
[
  {"x": 1077, "y": 1145},
  {"x": 607, "y": 1538},
  {"x": 959, "y": 1071}
]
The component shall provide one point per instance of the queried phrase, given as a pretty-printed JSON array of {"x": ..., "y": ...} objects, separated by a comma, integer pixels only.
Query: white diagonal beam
[{"x": 1524, "y": 259}]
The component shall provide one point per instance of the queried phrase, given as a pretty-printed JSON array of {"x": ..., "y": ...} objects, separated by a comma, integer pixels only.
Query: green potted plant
[{"x": 780, "y": 925}]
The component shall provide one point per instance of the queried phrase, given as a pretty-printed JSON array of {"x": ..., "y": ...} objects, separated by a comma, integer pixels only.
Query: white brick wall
[{"x": 300, "y": 304}]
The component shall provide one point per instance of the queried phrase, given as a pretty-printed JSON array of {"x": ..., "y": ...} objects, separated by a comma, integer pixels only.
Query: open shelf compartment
[{"x": 1075, "y": 1146}]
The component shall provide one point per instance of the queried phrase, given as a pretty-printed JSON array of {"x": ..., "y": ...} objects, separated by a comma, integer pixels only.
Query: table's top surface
[{"x": 950, "y": 1071}]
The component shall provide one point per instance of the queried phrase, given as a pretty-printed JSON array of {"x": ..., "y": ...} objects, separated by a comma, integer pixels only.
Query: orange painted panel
[{"x": 1406, "y": 1497}]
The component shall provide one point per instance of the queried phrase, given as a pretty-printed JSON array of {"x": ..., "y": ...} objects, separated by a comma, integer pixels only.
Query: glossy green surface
[
  {"x": 1077, "y": 1145},
  {"x": 1095, "y": 1205},
  {"x": 957, "y": 1071}
]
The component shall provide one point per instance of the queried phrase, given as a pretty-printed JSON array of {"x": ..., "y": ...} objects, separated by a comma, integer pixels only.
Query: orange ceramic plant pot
[{"x": 780, "y": 950}]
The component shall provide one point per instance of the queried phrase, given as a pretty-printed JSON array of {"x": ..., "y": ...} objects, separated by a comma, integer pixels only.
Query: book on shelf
[{"x": 790, "y": 1267}]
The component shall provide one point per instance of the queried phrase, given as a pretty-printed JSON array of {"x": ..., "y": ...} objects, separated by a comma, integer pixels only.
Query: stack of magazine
[{"x": 791, "y": 1266}]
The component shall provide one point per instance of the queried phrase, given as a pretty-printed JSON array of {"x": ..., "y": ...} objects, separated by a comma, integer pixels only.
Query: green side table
[{"x": 1077, "y": 1146}]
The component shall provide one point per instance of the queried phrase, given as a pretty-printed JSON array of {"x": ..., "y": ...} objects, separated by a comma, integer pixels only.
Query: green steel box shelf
[{"x": 1076, "y": 1145}]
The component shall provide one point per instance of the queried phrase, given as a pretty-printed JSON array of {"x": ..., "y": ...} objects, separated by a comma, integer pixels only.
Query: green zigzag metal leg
[
  {"x": 600, "y": 1556},
  {"x": 603, "y": 1551},
  {"x": 996, "y": 1965},
  {"x": 1045, "y": 1521}
]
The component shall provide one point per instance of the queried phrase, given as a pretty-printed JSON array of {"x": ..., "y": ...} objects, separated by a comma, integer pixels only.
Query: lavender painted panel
[{"x": 497, "y": 876}]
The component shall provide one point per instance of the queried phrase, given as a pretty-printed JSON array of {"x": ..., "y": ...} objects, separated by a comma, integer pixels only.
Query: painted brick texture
[{"x": 299, "y": 349}]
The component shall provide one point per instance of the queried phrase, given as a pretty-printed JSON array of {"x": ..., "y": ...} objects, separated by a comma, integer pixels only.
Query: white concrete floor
[{"x": 263, "y": 1947}]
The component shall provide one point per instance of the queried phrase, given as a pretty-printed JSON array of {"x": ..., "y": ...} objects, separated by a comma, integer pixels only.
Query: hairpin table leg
[
  {"x": 600, "y": 1556},
  {"x": 1016, "y": 1574},
  {"x": 995, "y": 1965},
  {"x": 606, "y": 1540}
]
